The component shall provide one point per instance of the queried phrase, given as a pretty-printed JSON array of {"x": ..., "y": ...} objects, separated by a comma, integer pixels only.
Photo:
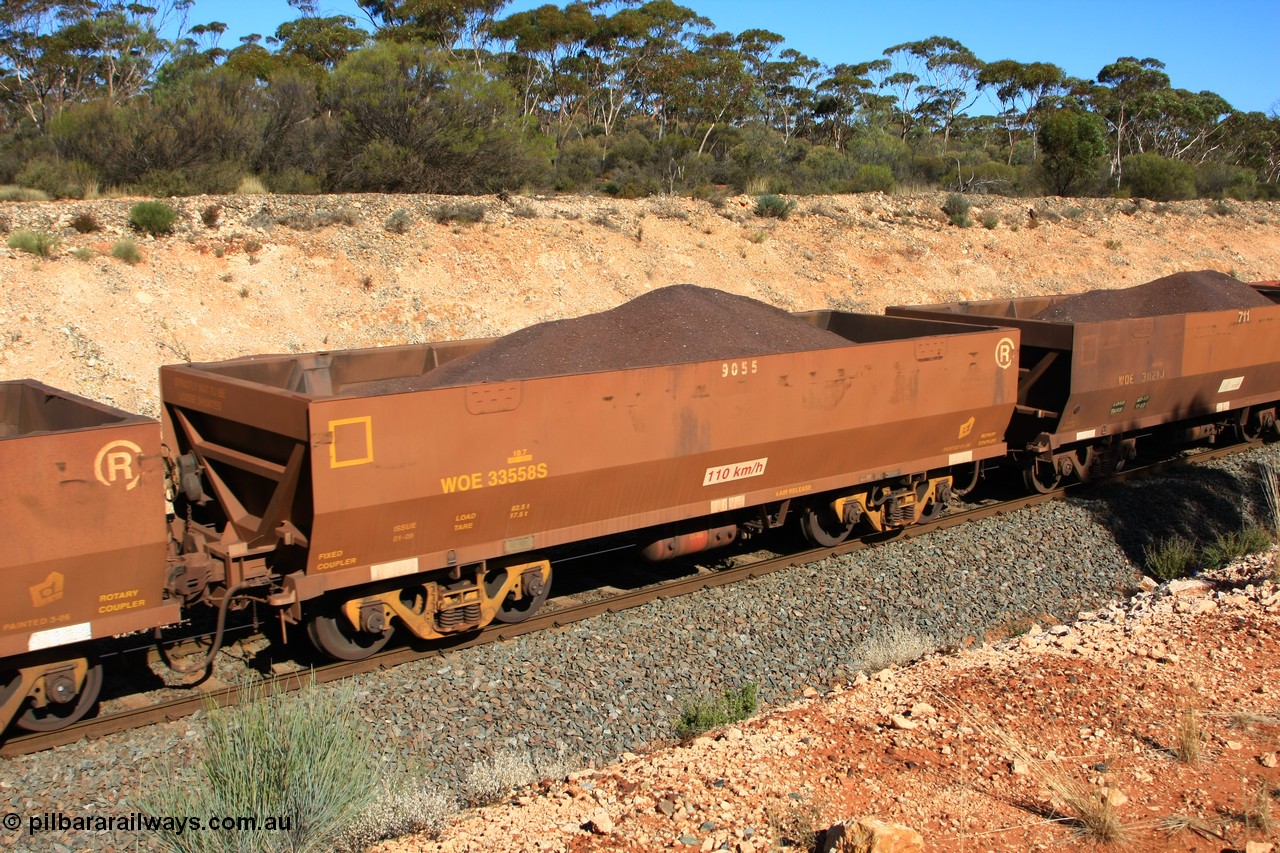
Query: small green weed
[
  {"x": 956, "y": 207},
  {"x": 398, "y": 222},
  {"x": 39, "y": 243},
  {"x": 774, "y": 206},
  {"x": 990, "y": 221},
  {"x": 1235, "y": 544},
  {"x": 462, "y": 212},
  {"x": 126, "y": 250},
  {"x": 1113, "y": 245},
  {"x": 301, "y": 758},
  {"x": 1172, "y": 558},
  {"x": 152, "y": 217},
  {"x": 82, "y": 253},
  {"x": 704, "y": 713}
]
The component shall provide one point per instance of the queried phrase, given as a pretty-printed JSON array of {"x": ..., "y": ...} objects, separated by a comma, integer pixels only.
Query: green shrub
[
  {"x": 1172, "y": 558},
  {"x": 1223, "y": 180},
  {"x": 990, "y": 220},
  {"x": 39, "y": 243},
  {"x": 1159, "y": 178},
  {"x": 465, "y": 212},
  {"x": 704, "y": 713},
  {"x": 85, "y": 222},
  {"x": 152, "y": 217},
  {"x": 1236, "y": 544},
  {"x": 956, "y": 207},
  {"x": 9, "y": 192},
  {"x": 126, "y": 250},
  {"x": 398, "y": 222},
  {"x": 82, "y": 253},
  {"x": 294, "y": 181},
  {"x": 774, "y": 206},
  {"x": 302, "y": 758},
  {"x": 58, "y": 178}
]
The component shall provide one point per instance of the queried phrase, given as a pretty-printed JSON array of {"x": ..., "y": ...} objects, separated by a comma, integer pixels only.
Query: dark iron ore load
[
  {"x": 1180, "y": 293},
  {"x": 670, "y": 325}
]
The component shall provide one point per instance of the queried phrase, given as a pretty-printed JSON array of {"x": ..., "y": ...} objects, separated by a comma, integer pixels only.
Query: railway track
[{"x": 558, "y": 612}]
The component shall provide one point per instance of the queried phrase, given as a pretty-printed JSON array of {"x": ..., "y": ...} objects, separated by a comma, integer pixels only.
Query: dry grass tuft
[
  {"x": 1179, "y": 823},
  {"x": 1188, "y": 738},
  {"x": 1257, "y": 810},
  {"x": 1089, "y": 809}
]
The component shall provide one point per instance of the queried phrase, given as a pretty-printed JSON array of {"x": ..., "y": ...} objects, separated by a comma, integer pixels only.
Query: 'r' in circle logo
[
  {"x": 1004, "y": 353},
  {"x": 119, "y": 462}
]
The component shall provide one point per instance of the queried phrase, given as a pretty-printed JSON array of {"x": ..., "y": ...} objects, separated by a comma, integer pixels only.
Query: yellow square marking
[{"x": 352, "y": 439}]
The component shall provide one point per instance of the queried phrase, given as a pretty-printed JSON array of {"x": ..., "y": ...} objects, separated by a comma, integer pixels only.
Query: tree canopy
[{"x": 623, "y": 96}]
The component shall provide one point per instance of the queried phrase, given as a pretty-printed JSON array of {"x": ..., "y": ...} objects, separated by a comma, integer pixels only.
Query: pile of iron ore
[
  {"x": 671, "y": 325},
  {"x": 1180, "y": 293}
]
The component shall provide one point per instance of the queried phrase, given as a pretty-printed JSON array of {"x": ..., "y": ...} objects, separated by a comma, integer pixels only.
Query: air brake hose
[{"x": 207, "y": 662}]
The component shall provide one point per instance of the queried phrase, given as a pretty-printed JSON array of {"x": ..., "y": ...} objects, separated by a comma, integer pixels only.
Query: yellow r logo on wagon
[{"x": 118, "y": 462}]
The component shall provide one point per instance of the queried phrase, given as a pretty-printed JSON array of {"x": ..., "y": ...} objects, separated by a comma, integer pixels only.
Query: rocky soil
[{"x": 968, "y": 748}]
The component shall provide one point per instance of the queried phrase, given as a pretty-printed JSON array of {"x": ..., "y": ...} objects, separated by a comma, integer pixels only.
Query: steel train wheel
[
  {"x": 333, "y": 634},
  {"x": 820, "y": 527},
  {"x": 965, "y": 478},
  {"x": 59, "y": 715},
  {"x": 1041, "y": 476},
  {"x": 514, "y": 610}
]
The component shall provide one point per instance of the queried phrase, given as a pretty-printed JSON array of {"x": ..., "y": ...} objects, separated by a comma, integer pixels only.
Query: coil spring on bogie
[
  {"x": 458, "y": 617},
  {"x": 896, "y": 514}
]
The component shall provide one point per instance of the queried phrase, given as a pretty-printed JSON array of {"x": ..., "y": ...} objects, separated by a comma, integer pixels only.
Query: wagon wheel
[
  {"x": 1250, "y": 426},
  {"x": 333, "y": 634},
  {"x": 964, "y": 478},
  {"x": 1041, "y": 475},
  {"x": 59, "y": 714},
  {"x": 820, "y": 527},
  {"x": 512, "y": 609},
  {"x": 931, "y": 510}
]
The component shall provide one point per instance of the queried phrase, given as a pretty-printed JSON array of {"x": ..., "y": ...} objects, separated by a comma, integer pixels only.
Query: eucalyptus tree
[
  {"x": 1182, "y": 125},
  {"x": 934, "y": 80},
  {"x": 53, "y": 54},
  {"x": 788, "y": 85},
  {"x": 547, "y": 63},
  {"x": 844, "y": 97},
  {"x": 1123, "y": 96},
  {"x": 322, "y": 41},
  {"x": 446, "y": 24},
  {"x": 1020, "y": 88}
]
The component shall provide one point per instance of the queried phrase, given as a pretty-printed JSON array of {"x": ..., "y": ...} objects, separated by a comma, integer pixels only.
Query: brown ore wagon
[
  {"x": 1101, "y": 370},
  {"x": 83, "y": 551},
  {"x": 359, "y": 496}
]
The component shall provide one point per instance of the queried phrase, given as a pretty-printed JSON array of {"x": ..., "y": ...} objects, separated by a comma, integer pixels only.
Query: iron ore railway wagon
[
  {"x": 1192, "y": 357},
  {"x": 353, "y": 498},
  {"x": 83, "y": 549}
]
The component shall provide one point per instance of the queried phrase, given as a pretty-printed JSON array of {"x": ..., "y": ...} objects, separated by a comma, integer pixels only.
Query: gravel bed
[{"x": 584, "y": 694}]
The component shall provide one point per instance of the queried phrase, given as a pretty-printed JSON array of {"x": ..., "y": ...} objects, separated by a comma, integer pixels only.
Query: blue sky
[{"x": 1225, "y": 47}]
